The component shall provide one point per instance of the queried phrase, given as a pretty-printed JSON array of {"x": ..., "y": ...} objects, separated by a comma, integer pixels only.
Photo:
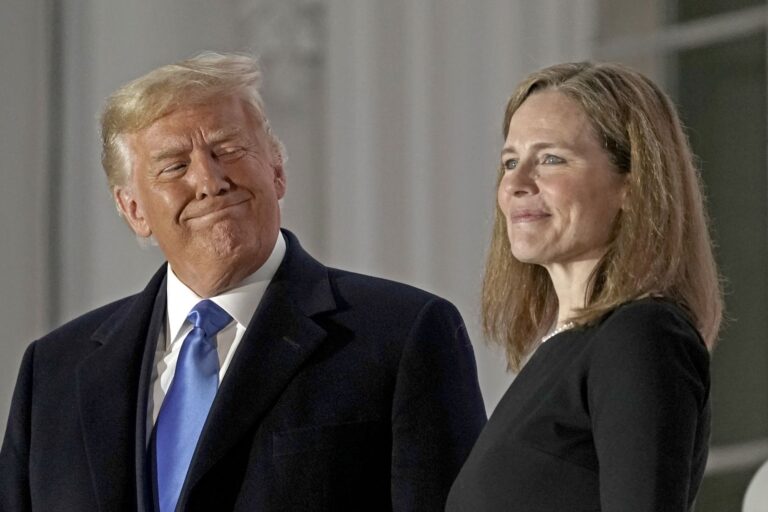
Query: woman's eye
[
  {"x": 552, "y": 160},
  {"x": 510, "y": 164}
]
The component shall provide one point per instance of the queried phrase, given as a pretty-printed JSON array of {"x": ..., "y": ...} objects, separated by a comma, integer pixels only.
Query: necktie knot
[{"x": 209, "y": 316}]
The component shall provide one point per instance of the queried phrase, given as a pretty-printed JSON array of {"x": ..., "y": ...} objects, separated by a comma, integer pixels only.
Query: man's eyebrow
[
  {"x": 182, "y": 145},
  {"x": 223, "y": 135},
  {"x": 175, "y": 148}
]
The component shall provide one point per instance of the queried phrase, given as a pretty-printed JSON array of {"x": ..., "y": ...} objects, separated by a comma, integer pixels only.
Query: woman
[{"x": 602, "y": 286}]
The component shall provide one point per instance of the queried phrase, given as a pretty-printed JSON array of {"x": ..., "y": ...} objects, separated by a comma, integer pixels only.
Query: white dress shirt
[{"x": 240, "y": 302}]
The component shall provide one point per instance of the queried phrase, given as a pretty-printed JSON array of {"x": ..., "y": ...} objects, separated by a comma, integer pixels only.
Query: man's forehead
[
  {"x": 214, "y": 114},
  {"x": 207, "y": 124}
]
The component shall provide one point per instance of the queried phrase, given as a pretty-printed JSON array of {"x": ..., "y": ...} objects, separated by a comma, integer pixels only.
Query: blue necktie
[{"x": 188, "y": 401}]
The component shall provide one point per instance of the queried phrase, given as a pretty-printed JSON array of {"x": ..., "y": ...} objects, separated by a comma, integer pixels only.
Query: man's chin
[{"x": 220, "y": 239}]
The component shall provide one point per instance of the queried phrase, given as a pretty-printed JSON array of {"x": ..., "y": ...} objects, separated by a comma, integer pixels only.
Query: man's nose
[{"x": 209, "y": 175}]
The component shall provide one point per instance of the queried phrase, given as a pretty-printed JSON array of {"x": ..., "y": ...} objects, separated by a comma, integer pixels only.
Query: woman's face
[{"x": 560, "y": 193}]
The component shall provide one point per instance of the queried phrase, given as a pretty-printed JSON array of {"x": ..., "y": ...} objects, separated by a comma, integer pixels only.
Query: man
[{"x": 292, "y": 387}]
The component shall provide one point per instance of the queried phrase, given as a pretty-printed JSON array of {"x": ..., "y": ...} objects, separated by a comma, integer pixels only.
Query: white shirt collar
[{"x": 240, "y": 302}]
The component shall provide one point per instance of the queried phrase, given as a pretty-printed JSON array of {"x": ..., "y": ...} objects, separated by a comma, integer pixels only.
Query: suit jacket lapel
[
  {"x": 108, "y": 390},
  {"x": 280, "y": 337},
  {"x": 144, "y": 485}
]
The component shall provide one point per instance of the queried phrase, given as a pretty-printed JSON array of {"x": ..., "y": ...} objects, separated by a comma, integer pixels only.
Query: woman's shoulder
[
  {"x": 649, "y": 327},
  {"x": 649, "y": 308},
  {"x": 647, "y": 347},
  {"x": 650, "y": 315}
]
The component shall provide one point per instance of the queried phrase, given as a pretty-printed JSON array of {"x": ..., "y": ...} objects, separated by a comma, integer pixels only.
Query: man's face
[{"x": 205, "y": 182}]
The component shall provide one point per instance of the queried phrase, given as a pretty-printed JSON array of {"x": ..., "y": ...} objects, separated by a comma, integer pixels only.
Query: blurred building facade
[{"x": 391, "y": 114}]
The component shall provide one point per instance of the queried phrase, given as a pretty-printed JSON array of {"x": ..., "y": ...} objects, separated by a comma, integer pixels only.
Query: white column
[
  {"x": 24, "y": 58},
  {"x": 351, "y": 191}
]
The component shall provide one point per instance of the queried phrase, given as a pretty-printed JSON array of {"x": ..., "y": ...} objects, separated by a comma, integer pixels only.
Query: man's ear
[
  {"x": 277, "y": 165},
  {"x": 130, "y": 209},
  {"x": 279, "y": 180}
]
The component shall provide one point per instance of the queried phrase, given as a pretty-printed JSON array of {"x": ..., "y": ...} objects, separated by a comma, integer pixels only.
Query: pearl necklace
[{"x": 564, "y": 327}]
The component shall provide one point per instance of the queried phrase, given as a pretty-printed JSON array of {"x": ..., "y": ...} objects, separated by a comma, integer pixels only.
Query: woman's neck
[{"x": 570, "y": 281}]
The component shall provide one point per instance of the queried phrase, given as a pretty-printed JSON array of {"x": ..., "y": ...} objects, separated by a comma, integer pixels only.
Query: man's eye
[
  {"x": 229, "y": 154},
  {"x": 552, "y": 160},
  {"x": 510, "y": 163},
  {"x": 179, "y": 166}
]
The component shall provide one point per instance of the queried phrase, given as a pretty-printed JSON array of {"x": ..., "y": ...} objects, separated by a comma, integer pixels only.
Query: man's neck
[{"x": 214, "y": 276}]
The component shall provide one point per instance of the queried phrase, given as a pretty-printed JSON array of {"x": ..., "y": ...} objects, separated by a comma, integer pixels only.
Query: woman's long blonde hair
[{"x": 662, "y": 245}]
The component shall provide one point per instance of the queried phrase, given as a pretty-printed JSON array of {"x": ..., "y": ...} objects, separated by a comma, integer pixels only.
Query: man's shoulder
[
  {"x": 377, "y": 286},
  {"x": 360, "y": 295},
  {"x": 85, "y": 325},
  {"x": 362, "y": 289},
  {"x": 111, "y": 314}
]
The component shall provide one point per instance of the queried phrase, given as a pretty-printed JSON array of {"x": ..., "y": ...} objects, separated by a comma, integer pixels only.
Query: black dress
[{"x": 613, "y": 417}]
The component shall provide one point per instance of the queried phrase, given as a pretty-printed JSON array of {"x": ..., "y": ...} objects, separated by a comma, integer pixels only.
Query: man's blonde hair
[{"x": 143, "y": 101}]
